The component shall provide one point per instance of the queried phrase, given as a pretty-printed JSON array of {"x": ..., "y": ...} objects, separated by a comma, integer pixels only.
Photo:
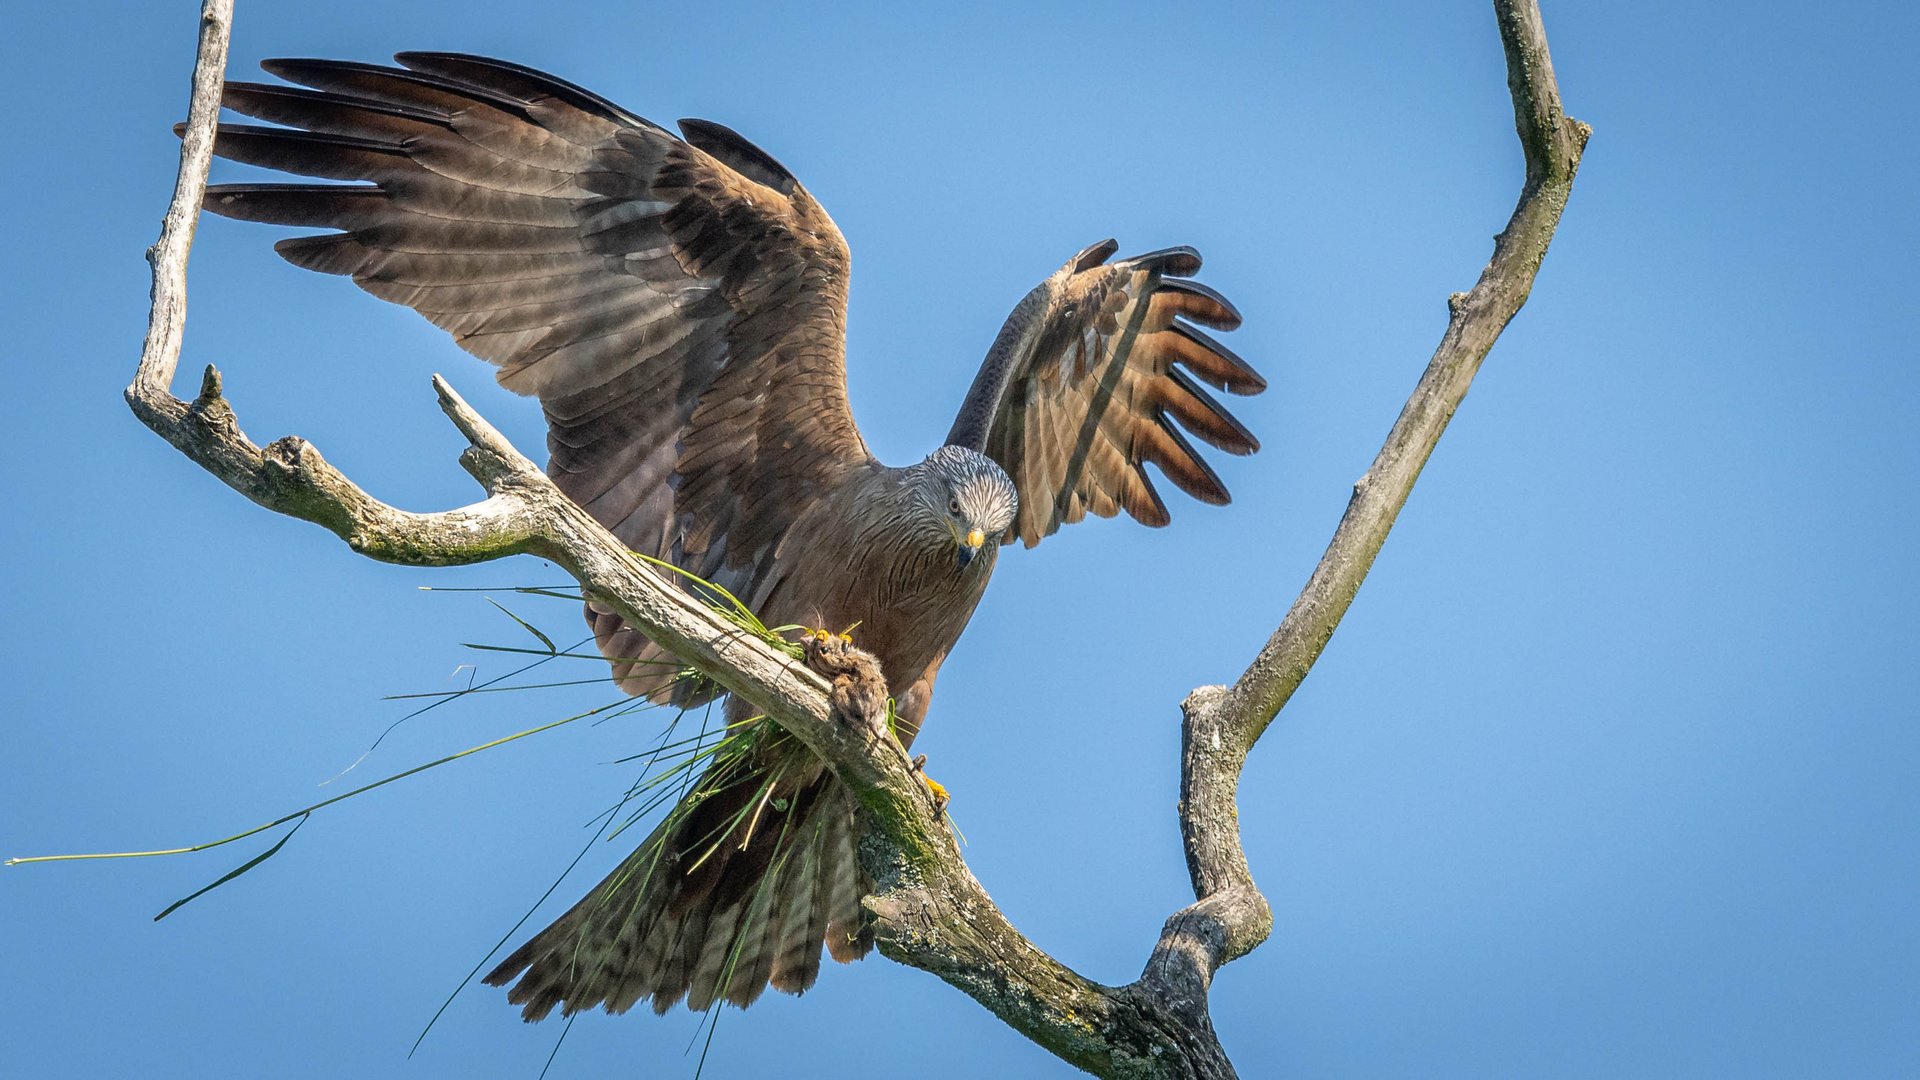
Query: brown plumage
[{"x": 678, "y": 306}]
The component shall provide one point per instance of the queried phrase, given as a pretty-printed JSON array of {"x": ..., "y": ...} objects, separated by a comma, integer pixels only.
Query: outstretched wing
[
  {"x": 678, "y": 304},
  {"x": 1084, "y": 385}
]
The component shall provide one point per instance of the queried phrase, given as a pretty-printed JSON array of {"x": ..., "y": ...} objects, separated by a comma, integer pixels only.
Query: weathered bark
[{"x": 932, "y": 913}]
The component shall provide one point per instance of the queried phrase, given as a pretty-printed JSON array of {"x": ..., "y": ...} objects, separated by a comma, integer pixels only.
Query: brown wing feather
[
  {"x": 678, "y": 305},
  {"x": 1087, "y": 380}
]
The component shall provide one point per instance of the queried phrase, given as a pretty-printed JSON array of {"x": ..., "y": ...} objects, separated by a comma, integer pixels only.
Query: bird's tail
[{"x": 737, "y": 890}]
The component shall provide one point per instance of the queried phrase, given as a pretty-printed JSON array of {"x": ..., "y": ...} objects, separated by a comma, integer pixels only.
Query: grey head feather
[{"x": 966, "y": 488}]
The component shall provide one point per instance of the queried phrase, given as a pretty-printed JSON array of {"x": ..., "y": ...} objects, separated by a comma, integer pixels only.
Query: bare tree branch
[
  {"x": 932, "y": 913},
  {"x": 1223, "y": 723}
]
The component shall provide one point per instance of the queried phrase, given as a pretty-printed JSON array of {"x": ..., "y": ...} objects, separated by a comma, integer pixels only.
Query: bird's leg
[{"x": 938, "y": 789}]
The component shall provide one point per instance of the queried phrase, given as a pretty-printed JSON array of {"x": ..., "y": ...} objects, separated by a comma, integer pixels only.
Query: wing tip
[
  {"x": 1095, "y": 254},
  {"x": 498, "y": 76},
  {"x": 1154, "y": 515},
  {"x": 1219, "y": 428},
  {"x": 320, "y": 253},
  {"x": 311, "y": 70},
  {"x": 738, "y": 153},
  {"x": 282, "y": 67},
  {"x": 1187, "y": 468},
  {"x": 1232, "y": 374},
  {"x": 1177, "y": 261},
  {"x": 1203, "y": 304}
]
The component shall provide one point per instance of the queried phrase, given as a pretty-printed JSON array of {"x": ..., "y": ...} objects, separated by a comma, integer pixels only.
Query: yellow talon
[{"x": 938, "y": 789}]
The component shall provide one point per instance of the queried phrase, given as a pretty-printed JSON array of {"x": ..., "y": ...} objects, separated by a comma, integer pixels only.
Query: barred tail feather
[
  {"x": 741, "y": 917},
  {"x": 849, "y": 927}
]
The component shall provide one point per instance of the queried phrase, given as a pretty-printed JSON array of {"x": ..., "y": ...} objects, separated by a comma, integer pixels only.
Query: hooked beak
[{"x": 971, "y": 547}]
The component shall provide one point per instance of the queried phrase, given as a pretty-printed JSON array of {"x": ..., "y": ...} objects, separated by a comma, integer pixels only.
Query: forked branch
[
  {"x": 932, "y": 913},
  {"x": 1222, "y": 724}
]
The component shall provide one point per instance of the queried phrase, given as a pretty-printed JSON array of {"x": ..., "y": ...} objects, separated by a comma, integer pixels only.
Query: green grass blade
[
  {"x": 490, "y": 588},
  {"x": 305, "y": 810},
  {"x": 524, "y": 625},
  {"x": 487, "y": 688},
  {"x": 235, "y": 872}
]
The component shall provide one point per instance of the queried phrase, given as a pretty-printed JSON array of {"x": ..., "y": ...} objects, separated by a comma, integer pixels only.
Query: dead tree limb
[
  {"x": 932, "y": 913},
  {"x": 1222, "y": 724}
]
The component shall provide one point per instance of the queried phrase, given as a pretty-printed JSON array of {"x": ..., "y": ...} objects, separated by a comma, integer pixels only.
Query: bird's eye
[{"x": 953, "y": 505}]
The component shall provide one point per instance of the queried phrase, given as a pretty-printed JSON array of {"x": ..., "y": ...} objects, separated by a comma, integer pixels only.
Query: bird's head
[{"x": 971, "y": 498}]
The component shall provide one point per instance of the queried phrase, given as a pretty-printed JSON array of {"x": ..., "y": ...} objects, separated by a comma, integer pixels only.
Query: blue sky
[{"x": 1609, "y": 772}]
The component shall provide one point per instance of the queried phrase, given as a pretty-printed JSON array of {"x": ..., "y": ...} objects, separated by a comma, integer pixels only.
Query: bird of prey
[{"x": 677, "y": 303}]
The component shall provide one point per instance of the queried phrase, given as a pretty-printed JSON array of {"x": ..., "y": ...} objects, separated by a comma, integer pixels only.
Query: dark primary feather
[
  {"x": 677, "y": 305},
  {"x": 517, "y": 81},
  {"x": 1094, "y": 376},
  {"x": 740, "y": 155}
]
